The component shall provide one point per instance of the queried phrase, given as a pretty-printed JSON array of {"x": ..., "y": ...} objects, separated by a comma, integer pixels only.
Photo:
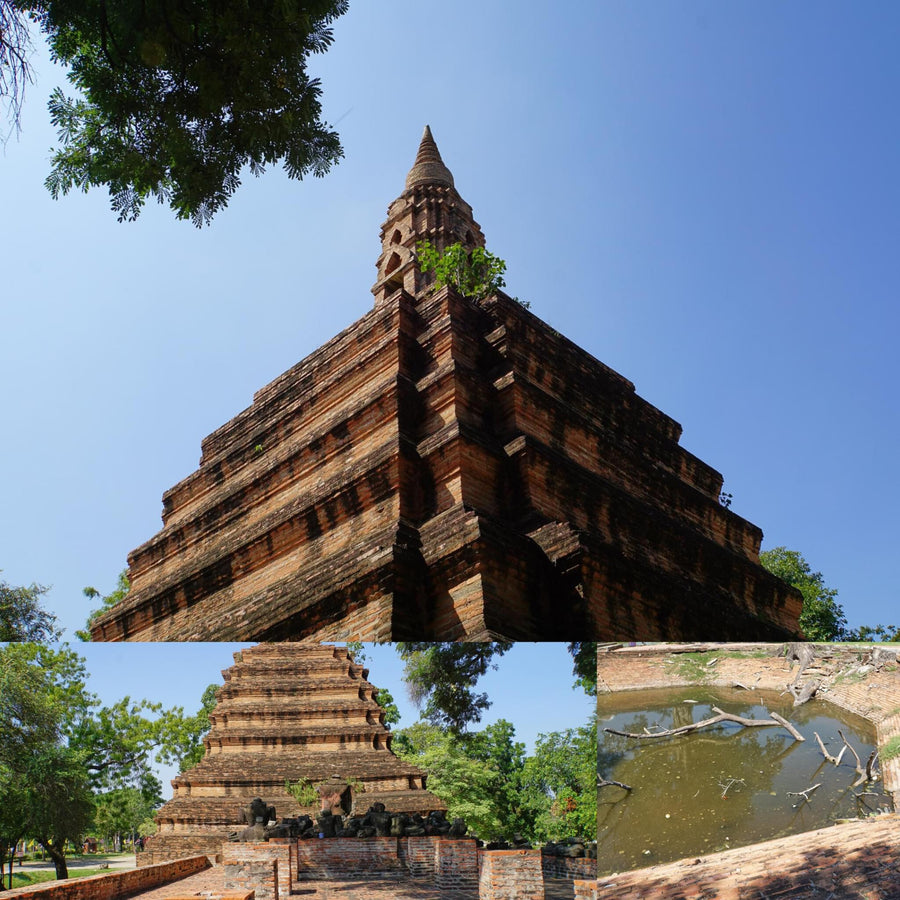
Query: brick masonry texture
[
  {"x": 258, "y": 875},
  {"x": 447, "y": 868},
  {"x": 859, "y": 860},
  {"x": 287, "y": 711},
  {"x": 284, "y": 854},
  {"x": 114, "y": 884},
  {"x": 570, "y": 869},
  {"x": 448, "y": 469},
  {"x": 511, "y": 875},
  {"x": 854, "y": 860}
]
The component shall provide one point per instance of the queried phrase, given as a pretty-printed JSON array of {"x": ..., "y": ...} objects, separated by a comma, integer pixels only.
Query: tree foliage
[
  {"x": 123, "y": 586},
  {"x": 560, "y": 781},
  {"x": 486, "y": 778},
  {"x": 59, "y": 800},
  {"x": 21, "y": 616},
  {"x": 60, "y": 746},
  {"x": 175, "y": 97},
  {"x": 182, "y": 736},
  {"x": 822, "y": 618},
  {"x": 440, "y": 678},
  {"x": 466, "y": 784},
  {"x": 122, "y": 811},
  {"x": 584, "y": 658},
  {"x": 475, "y": 273},
  {"x": 15, "y": 50}
]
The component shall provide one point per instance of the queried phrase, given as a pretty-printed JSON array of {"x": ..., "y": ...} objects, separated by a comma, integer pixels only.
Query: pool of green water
[{"x": 723, "y": 786}]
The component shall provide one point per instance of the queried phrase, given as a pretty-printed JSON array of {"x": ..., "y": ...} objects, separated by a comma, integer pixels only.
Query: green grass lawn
[{"x": 23, "y": 879}]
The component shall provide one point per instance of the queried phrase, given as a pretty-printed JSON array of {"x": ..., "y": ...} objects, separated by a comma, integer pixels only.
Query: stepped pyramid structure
[
  {"x": 448, "y": 469},
  {"x": 286, "y": 712}
]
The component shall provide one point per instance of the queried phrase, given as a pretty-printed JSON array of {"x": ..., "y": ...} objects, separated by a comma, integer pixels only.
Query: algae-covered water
[{"x": 723, "y": 786}]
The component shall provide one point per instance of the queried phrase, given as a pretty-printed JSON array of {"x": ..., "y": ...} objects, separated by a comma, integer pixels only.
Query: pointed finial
[{"x": 428, "y": 168}]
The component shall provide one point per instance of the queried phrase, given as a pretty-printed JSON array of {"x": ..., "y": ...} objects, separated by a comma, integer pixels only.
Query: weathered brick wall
[
  {"x": 115, "y": 884},
  {"x": 428, "y": 407},
  {"x": 561, "y": 867},
  {"x": 418, "y": 855},
  {"x": 258, "y": 875},
  {"x": 282, "y": 850},
  {"x": 451, "y": 864},
  {"x": 162, "y": 848},
  {"x": 510, "y": 875},
  {"x": 456, "y": 864},
  {"x": 348, "y": 858},
  {"x": 585, "y": 890}
]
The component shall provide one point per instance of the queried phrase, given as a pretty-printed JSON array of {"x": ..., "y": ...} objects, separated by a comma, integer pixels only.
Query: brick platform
[{"x": 858, "y": 860}]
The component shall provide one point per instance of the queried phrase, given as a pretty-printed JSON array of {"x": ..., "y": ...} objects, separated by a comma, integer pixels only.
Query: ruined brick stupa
[
  {"x": 448, "y": 469},
  {"x": 287, "y": 712}
]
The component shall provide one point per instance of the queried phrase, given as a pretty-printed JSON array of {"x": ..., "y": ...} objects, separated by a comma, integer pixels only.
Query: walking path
[
  {"x": 213, "y": 880},
  {"x": 115, "y": 861}
]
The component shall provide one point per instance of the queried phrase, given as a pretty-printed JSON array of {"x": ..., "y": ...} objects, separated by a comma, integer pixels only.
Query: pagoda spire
[
  {"x": 429, "y": 209},
  {"x": 428, "y": 168}
]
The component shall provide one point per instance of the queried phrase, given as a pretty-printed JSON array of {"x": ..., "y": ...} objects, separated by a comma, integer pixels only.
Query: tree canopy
[
  {"x": 61, "y": 749},
  {"x": 823, "y": 617},
  {"x": 175, "y": 97},
  {"x": 22, "y": 618},
  {"x": 440, "y": 678},
  {"x": 123, "y": 586},
  {"x": 486, "y": 778}
]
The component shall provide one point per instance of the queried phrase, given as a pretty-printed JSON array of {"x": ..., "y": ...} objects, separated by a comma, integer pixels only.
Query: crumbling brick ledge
[{"x": 858, "y": 859}]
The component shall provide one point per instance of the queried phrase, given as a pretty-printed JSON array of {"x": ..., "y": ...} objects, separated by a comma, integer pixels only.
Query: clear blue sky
[
  {"x": 532, "y": 686},
  {"x": 704, "y": 195}
]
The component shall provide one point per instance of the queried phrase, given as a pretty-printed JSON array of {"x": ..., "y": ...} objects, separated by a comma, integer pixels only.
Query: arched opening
[
  {"x": 392, "y": 263},
  {"x": 395, "y": 237}
]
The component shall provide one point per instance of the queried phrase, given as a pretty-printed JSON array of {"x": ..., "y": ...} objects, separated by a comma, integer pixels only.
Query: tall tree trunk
[{"x": 57, "y": 854}]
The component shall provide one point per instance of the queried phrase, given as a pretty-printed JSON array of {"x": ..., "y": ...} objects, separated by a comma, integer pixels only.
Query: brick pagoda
[
  {"x": 448, "y": 469},
  {"x": 287, "y": 712}
]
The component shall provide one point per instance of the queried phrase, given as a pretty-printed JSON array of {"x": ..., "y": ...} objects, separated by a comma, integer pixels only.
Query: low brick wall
[
  {"x": 348, "y": 858},
  {"x": 257, "y": 875},
  {"x": 510, "y": 875},
  {"x": 281, "y": 850},
  {"x": 563, "y": 867},
  {"x": 418, "y": 855},
  {"x": 113, "y": 885},
  {"x": 455, "y": 864}
]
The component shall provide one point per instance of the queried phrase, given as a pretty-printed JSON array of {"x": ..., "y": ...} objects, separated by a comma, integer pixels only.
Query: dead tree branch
[
  {"x": 832, "y": 759},
  {"x": 605, "y": 782},
  {"x": 865, "y": 774},
  {"x": 804, "y": 794},
  {"x": 784, "y": 722},
  {"x": 715, "y": 720}
]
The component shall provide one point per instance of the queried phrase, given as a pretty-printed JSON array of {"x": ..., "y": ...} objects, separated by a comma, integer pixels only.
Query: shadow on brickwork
[{"x": 871, "y": 872}]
